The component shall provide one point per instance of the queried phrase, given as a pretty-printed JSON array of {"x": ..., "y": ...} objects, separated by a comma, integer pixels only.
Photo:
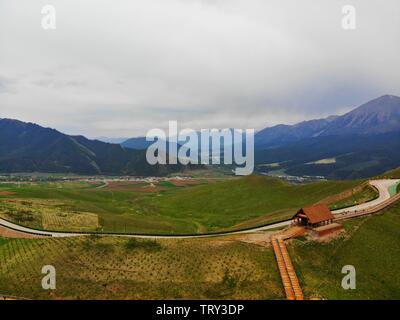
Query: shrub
[
  {"x": 94, "y": 237},
  {"x": 147, "y": 245},
  {"x": 229, "y": 281}
]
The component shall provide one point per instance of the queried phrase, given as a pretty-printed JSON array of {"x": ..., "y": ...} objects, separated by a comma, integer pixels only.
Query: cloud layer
[{"x": 121, "y": 68}]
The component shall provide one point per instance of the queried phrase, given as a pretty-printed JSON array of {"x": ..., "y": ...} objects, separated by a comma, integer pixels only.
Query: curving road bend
[
  {"x": 383, "y": 188},
  {"x": 381, "y": 185}
]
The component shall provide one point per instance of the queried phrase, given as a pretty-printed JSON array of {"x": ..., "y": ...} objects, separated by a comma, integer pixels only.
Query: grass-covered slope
[
  {"x": 371, "y": 245},
  {"x": 110, "y": 268},
  {"x": 392, "y": 174},
  {"x": 226, "y": 205},
  {"x": 366, "y": 194}
]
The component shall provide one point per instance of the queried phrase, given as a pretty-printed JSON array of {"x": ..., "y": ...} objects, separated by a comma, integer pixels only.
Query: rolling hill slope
[
  {"x": 214, "y": 207},
  {"x": 371, "y": 244}
]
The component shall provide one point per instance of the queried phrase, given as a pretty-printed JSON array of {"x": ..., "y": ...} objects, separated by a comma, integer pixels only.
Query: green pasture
[
  {"x": 371, "y": 245},
  {"x": 224, "y": 205}
]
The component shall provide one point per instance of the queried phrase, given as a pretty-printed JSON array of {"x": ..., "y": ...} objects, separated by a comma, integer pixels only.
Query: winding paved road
[{"x": 381, "y": 185}]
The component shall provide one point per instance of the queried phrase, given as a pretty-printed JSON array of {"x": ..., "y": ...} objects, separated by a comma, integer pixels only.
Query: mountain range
[
  {"x": 360, "y": 143},
  {"x": 380, "y": 115},
  {"x": 28, "y": 147},
  {"x": 138, "y": 143}
]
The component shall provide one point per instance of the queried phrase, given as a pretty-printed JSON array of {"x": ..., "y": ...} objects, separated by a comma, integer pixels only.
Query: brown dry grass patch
[
  {"x": 10, "y": 233},
  {"x": 6, "y": 193}
]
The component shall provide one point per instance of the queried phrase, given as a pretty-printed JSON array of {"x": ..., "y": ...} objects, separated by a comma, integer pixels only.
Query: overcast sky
[{"x": 120, "y": 68}]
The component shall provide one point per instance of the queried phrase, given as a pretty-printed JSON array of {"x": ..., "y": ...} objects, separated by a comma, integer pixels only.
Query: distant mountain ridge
[
  {"x": 28, "y": 147},
  {"x": 282, "y": 134},
  {"x": 110, "y": 140},
  {"x": 380, "y": 115},
  {"x": 361, "y": 143},
  {"x": 138, "y": 143}
]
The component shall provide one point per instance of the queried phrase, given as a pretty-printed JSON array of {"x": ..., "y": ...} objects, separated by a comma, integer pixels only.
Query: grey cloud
[
  {"x": 6, "y": 84},
  {"x": 121, "y": 68}
]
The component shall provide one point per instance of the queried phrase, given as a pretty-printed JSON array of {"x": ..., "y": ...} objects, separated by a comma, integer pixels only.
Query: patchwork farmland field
[{"x": 166, "y": 207}]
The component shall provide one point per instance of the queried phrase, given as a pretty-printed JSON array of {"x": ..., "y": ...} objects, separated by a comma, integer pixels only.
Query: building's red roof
[{"x": 317, "y": 213}]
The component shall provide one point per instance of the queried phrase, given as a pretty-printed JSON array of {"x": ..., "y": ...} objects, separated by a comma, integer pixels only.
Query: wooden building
[
  {"x": 315, "y": 216},
  {"x": 318, "y": 218}
]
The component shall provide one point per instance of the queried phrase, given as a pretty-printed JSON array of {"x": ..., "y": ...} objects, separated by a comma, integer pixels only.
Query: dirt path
[{"x": 105, "y": 184}]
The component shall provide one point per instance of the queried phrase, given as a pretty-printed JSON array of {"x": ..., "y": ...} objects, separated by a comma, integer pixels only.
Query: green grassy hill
[
  {"x": 225, "y": 205},
  {"x": 230, "y": 203},
  {"x": 371, "y": 245},
  {"x": 392, "y": 174},
  {"x": 216, "y": 268},
  {"x": 113, "y": 268}
]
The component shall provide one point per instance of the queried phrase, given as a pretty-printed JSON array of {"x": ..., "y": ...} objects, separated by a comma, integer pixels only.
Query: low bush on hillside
[{"x": 147, "y": 245}]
